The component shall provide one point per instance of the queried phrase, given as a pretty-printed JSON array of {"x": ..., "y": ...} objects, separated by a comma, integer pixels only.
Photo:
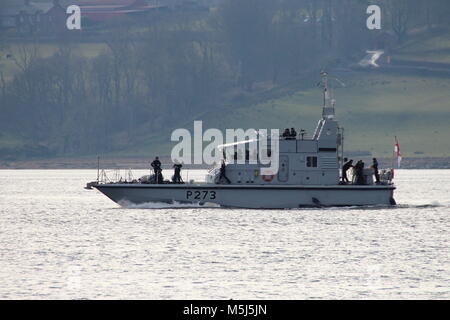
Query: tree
[
  {"x": 246, "y": 27},
  {"x": 400, "y": 17}
]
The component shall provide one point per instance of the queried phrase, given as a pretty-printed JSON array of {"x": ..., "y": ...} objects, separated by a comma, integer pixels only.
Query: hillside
[
  {"x": 374, "y": 106},
  {"x": 426, "y": 48}
]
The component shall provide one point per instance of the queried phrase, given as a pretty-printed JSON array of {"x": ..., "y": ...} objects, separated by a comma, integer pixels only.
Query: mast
[
  {"x": 328, "y": 103},
  {"x": 98, "y": 169},
  {"x": 342, "y": 146}
]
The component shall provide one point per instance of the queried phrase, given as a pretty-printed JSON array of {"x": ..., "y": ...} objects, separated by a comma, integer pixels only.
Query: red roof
[
  {"x": 107, "y": 9},
  {"x": 116, "y": 3}
]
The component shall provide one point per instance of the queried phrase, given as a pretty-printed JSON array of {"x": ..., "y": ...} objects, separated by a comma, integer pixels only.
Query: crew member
[
  {"x": 286, "y": 133},
  {"x": 375, "y": 169},
  {"x": 345, "y": 168},
  {"x": 156, "y": 165},
  {"x": 293, "y": 134},
  {"x": 177, "y": 173},
  {"x": 359, "y": 171},
  {"x": 222, "y": 175}
]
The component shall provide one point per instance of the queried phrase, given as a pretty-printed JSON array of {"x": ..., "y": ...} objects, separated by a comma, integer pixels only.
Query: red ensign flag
[{"x": 397, "y": 152}]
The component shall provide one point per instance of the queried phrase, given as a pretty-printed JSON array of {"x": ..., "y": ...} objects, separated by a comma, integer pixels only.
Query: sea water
[{"x": 60, "y": 241}]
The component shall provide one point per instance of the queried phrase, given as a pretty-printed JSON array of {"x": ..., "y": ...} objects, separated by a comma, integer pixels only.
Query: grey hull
[{"x": 256, "y": 196}]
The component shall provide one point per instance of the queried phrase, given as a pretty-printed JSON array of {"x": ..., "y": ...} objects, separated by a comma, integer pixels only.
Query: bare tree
[
  {"x": 400, "y": 17},
  {"x": 25, "y": 54}
]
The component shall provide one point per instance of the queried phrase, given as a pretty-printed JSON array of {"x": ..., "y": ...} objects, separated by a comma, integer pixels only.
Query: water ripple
[{"x": 59, "y": 241}]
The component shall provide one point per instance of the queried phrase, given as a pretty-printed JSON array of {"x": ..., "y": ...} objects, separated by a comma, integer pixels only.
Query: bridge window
[{"x": 311, "y": 162}]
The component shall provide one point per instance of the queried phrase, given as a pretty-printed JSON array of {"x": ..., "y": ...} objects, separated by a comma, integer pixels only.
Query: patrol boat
[{"x": 309, "y": 175}]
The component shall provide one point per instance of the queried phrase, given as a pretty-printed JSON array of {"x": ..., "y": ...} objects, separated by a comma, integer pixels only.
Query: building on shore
[
  {"x": 47, "y": 17},
  {"x": 28, "y": 17},
  {"x": 97, "y": 12}
]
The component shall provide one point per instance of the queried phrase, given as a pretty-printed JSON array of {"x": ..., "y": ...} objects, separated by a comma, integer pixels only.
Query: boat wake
[
  {"x": 163, "y": 205},
  {"x": 179, "y": 205},
  {"x": 434, "y": 204},
  {"x": 368, "y": 207}
]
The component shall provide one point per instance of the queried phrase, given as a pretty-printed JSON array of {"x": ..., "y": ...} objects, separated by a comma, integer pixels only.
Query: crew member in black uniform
[
  {"x": 156, "y": 165},
  {"x": 177, "y": 173},
  {"x": 359, "y": 169},
  {"x": 375, "y": 169},
  {"x": 361, "y": 173},
  {"x": 222, "y": 175},
  {"x": 293, "y": 134}
]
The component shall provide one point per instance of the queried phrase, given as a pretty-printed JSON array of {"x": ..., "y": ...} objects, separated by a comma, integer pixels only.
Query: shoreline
[{"x": 144, "y": 163}]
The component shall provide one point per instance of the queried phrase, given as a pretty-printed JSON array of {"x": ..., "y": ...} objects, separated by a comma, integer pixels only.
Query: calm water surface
[{"x": 59, "y": 241}]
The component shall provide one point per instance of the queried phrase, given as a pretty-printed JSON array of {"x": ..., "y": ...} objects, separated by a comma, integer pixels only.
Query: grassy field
[
  {"x": 426, "y": 48},
  {"x": 9, "y": 141},
  {"x": 373, "y": 108}
]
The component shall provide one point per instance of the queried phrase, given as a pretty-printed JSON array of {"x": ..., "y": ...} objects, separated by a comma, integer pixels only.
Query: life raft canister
[{"x": 267, "y": 177}]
